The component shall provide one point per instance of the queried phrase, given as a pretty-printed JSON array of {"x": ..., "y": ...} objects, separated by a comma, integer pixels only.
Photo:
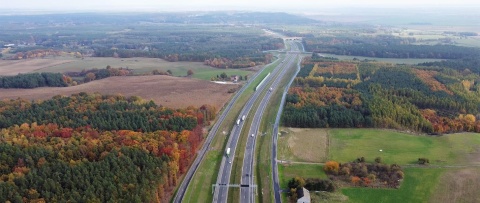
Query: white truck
[
  {"x": 227, "y": 152},
  {"x": 243, "y": 117},
  {"x": 238, "y": 122}
]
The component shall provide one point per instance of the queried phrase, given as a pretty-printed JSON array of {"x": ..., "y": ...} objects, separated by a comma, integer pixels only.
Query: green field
[
  {"x": 418, "y": 185},
  {"x": 388, "y": 60},
  {"x": 142, "y": 66},
  {"x": 349, "y": 144},
  {"x": 290, "y": 171},
  {"x": 454, "y": 161},
  {"x": 199, "y": 192}
]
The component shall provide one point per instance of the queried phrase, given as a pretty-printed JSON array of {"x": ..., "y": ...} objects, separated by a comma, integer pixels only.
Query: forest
[
  {"x": 422, "y": 98},
  {"x": 218, "y": 44},
  {"x": 34, "y": 80},
  {"x": 53, "y": 150},
  {"x": 385, "y": 46}
]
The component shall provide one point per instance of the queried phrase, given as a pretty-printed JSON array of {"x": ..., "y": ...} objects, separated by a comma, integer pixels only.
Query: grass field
[
  {"x": 349, "y": 144},
  {"x": 303, "y": 144},
  {"x": 139, "y": 65},
  {"x": 388, "y": 60},
  {"x": 458, "y": 185},
  {"x": 453, "y": 176},
  {"x": 289, "y": 171},
  {"x": 200, "y": 191},
  {"x": 418, "y": 185}
]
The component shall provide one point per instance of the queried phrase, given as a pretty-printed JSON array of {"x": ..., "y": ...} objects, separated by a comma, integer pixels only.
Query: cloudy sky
[{"x": 176, "y": 5}]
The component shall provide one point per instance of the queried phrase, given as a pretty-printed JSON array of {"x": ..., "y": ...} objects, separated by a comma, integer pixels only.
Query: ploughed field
[{"x": 167, "y": 91}]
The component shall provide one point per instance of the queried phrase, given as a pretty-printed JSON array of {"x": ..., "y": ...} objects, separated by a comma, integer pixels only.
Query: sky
[{"x": 188, "y": 5}]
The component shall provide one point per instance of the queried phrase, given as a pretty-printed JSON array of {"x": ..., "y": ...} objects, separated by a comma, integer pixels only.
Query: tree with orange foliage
[
  {"x": 355, "y": 180},
  {"x": 331, "y": 167}
]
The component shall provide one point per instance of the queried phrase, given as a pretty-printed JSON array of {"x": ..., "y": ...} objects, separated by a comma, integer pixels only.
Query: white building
[{"x": 303, "y": 196}]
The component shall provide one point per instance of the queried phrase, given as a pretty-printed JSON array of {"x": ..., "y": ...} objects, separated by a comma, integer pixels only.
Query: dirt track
[{"x": 168, "y": 91}]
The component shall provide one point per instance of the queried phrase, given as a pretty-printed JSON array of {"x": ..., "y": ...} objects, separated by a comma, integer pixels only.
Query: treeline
[
  {"x": 34, "y": 52},
  {"x": 361, "y": 173},
  {"x": 386, "y": 47},
  {"x": 432, "y": 100},
  {"x": 326, "y": 117},
  {"x": 97, "y": 74},
  {"x": 466, "y": 64},
  {"x": 240, "y": 51},
  {"x": 99, "y": 111},
  {"x": 34, "y": 80},
  {"x": 48, "y": 154}
]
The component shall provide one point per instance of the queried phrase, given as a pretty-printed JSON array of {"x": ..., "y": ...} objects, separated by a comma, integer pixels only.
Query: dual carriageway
[{"x": 247, "y": 185}]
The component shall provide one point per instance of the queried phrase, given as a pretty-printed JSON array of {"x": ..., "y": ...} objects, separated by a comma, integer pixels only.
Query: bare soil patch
[
  {"x": 14, "y": 67},
  {"x": 168, "y": 91},
  {"x": 458, "y": 186},
  {"x": 303, "y": 144}
]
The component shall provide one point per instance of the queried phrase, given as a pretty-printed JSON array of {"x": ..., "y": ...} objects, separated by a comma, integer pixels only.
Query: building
[
  {"x": 303, "y": 196},
  {"x": 234, "y": 78}
]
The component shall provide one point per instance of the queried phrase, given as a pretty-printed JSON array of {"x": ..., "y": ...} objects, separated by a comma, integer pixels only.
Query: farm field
[
  {"x": 14, "y": 67},
  {"x": 168, "y": 91},
  {"x": 139, "y": 65}
]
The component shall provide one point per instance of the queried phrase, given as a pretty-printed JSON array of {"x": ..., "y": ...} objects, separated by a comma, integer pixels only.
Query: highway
[
  {"x": 223, "y": 178},
  {"x": 247, "y": 194},
  {"x": 275, "y": 182},
  {"x": 201, "y": 153}
]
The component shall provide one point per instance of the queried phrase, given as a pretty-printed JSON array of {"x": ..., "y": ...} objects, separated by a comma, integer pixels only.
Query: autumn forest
[
  {"x": 430, "y": 98},
  {"x": 95, "y": 148}
]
